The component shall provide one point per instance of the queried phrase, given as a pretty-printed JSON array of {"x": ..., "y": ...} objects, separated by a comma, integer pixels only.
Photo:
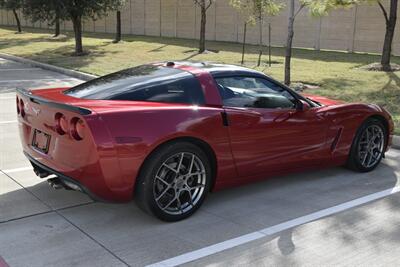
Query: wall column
[
  {"x": 317, "y": 41},
  {"x": 353, "y": 30}
]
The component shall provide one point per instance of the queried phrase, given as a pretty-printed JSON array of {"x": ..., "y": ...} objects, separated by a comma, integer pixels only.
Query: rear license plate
[{"x": 41, "y": 141}]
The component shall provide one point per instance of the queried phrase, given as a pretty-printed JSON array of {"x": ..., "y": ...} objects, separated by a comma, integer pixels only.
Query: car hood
[{"x": 323, "y": 100}]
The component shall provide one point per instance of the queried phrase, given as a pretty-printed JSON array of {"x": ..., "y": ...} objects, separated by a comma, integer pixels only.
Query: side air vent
[{"x": 336, "y": 140}]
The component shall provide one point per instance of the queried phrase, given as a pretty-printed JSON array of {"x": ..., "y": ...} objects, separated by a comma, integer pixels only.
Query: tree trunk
[
  {"x": 244, "y": 41},
  {"x": 288, "y": 53},
  {"x": 57, "y": 25},
  {"x": 269, "y": 44},
  {"x": 202, "y": 44},
  {"x": 17, "y": 20},
  {"x": 77, "y": 23},
  {"x": 118, "y": 30},
  {"x": 390, "y": 27},
  {"x": 260, "y": 44},
  {"x": 57, "y": 28}
]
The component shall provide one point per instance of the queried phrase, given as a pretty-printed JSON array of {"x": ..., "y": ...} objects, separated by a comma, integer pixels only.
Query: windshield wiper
[{"x": 315, "y": 102}]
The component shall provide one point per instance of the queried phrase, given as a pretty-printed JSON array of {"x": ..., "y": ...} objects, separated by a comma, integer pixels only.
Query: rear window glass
[{"x": 143, "y": 83}]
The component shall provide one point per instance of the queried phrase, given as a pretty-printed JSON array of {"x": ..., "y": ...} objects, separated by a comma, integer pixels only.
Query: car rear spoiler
[{"x": 43, "y": 101}]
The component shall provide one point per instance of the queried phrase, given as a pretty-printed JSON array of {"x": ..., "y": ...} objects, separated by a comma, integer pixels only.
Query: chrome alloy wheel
[
  {"x": 179, "y": 183},
  {"x": 371, "y": 145}
]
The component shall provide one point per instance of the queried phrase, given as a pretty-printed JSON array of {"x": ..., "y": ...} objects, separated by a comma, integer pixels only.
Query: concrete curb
[
  {"x": 396, "y": 142},
  {"x": 72, "y": 73}
]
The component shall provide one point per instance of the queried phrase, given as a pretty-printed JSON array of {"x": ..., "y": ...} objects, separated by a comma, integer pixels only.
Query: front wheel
[
  {"x": 174, "y": 181},
  {"x": 368, "y": 146}
]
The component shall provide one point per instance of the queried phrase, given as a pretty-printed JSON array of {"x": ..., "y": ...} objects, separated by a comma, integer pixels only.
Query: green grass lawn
[{"x": 337, "y": 73}]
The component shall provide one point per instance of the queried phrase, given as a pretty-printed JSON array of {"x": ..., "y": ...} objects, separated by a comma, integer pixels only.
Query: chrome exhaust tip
[
  {"x": 40, "y": 173},
  {"x": 55, "y": 183}
]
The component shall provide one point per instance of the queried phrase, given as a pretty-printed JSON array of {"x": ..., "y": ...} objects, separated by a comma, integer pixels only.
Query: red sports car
[{"x": 168, "y": 133}]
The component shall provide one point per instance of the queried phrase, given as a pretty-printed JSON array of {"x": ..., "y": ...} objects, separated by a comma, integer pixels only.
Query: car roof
[{"x": 216, "y": 69}]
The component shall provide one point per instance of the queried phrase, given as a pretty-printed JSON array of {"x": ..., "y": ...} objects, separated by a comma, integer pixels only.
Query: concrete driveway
[{"x": 325, "y": 217}]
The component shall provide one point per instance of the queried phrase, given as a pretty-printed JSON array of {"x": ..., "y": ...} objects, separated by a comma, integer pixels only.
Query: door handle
[
  {"x": 284, "y": 116},
  {"x": 225, "y": 120}
]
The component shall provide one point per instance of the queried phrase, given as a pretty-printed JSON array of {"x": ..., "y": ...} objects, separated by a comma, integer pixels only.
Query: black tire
[
  {"x": 147, "y": 183},
  {"x": 354, "y": 161}
]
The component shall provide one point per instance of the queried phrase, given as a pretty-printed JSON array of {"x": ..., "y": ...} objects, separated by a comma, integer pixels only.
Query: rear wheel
[
  {"x": 174, "y": 181},
  {"x": 368, "y": 146}
]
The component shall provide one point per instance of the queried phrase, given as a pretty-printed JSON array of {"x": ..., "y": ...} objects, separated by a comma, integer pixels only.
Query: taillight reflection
[
  {"x": 61, "y": 124},
  {"x": 22, "y": 107},
  {"x": 18, "y": 110},
  {"x": 78, "y": 129}
]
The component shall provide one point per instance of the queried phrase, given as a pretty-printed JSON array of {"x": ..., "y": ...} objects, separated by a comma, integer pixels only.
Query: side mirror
[{"x": 302, "y": 105}]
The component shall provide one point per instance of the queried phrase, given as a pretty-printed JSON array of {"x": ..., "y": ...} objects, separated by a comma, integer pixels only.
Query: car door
[{"x": 268, "y": 132}]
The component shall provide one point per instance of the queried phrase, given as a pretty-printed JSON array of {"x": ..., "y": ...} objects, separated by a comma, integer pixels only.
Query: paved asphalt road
[{"x": 43, "y": 227}]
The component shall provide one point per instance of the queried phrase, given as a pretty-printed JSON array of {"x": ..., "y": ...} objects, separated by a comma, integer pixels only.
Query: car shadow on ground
[{"x": 130, "y": 233}]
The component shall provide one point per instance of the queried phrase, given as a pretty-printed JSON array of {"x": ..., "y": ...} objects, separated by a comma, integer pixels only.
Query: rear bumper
[
  {"x": 93, "y": 169},
  {"x": 64, "y": 178},
  {"x": 91, "y": 164}
]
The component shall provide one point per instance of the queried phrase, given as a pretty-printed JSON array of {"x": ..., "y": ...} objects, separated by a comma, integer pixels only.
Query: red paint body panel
[
  {"x": 258, "y": 143},
  {"x": 251, "y": 134},
  {"x": 323, "y": 100}
]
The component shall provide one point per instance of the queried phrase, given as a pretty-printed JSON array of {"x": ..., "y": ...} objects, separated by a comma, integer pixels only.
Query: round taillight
[
  {"x": 18, "y": 110},
  {"x": 78, "y": 129},
  {"x": 61, "y": 124},
  {"x": 21, "y": 107}
]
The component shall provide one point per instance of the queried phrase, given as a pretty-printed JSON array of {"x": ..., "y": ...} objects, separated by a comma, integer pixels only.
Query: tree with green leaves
[
  {"x": 254, "y": 12},
  {"x": 390, "y": 17},
  {"x": 204, "y": 6},
  {"x": 13, "y": 5},
  {"x": 390, "y": 21},
  {"x": 316, "y": 8},
  {"x": 118, "y": 32},
  {"x": 50, "y": 11},
  {"x": 79, "y": 10}
]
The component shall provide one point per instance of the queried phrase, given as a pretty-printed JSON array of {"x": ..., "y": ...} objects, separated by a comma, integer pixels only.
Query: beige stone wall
[{"x": 358, "y": 29}]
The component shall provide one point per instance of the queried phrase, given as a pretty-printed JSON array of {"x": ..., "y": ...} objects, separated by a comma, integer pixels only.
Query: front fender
[{"x": 346, "y": 120}]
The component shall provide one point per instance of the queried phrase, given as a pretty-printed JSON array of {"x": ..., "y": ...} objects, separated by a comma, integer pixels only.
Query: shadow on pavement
[{"x": 138, "y": 238}]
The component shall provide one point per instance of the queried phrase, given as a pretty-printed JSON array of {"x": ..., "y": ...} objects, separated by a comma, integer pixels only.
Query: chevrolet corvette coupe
[{"x": 168, "y": 133}]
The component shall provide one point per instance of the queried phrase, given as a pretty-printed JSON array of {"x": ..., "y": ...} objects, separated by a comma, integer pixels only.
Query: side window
[
  {"x": 186, "y": 90},
  {"x": 253, "y": 92}
]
